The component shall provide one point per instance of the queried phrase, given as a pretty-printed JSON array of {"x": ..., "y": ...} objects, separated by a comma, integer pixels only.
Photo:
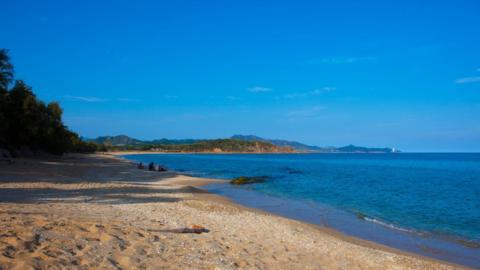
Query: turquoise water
[{"x": 435, "y": 194}]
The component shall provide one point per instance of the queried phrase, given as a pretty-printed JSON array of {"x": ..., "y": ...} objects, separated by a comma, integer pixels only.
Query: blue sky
[{"x": 374, "y": 73}]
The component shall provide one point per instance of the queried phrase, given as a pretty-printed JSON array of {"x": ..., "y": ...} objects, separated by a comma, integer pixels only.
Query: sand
[{"x": 101, "y": 212}]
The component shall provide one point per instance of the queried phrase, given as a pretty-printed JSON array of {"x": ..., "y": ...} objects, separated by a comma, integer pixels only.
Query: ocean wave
[{"x": 385, "y": 224}]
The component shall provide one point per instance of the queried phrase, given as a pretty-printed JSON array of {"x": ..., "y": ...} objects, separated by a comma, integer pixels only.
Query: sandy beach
[{"x": 101, "y": 212}]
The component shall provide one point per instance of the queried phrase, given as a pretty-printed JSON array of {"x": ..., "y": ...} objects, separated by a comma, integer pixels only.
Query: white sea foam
[{"x": 388, "y": 225}]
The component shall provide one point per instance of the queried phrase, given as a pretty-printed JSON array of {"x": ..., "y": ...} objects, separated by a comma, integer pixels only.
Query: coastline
[
  {"x": 101, "y": 190},
  {"x": 128, "y": 152},
  {"x": 122, "y": 153}
]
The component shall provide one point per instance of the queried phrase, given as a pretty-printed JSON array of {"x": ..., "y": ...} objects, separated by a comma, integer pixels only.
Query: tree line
[{"x": 27, "y": 122}]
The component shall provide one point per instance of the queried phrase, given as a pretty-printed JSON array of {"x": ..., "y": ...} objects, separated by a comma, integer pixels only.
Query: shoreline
[
  {"x": 438, "y": 247},
  {"x": 136, "y": 201},
  {"x": 324, "y": 228},
  {"x": 343, "y": 224}
]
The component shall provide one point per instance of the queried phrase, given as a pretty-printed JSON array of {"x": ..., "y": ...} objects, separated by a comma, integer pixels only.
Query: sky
[{"x": 403, "y": 74}]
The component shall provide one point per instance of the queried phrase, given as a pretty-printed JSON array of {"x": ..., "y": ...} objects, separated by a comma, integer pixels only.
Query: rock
[
  {"x": 244, "y": 180},
  {"x": 9, "y": 252}
]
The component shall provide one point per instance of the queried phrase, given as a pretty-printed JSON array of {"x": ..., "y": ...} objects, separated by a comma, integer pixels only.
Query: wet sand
[{"x": 99, "y": 211}]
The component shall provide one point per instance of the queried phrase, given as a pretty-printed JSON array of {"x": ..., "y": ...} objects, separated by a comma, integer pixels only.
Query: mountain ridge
[{"x": 283, "y": 145}]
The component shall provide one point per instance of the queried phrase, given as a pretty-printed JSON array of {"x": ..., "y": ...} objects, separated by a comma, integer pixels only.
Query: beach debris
[
  {"x": 9, "y": 252},
  {"x": 36, "y": 242},
  {"x": 193, "y": 229},
  {"x": 244, "y": 180},
  {"x": 140, "y": 166}
]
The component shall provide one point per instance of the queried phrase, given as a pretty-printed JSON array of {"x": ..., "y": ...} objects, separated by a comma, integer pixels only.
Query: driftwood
[{"x": 194, "y": 229}]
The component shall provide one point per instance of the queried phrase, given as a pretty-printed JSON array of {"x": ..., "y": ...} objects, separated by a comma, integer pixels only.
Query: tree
[
  {"x": 6, "y": 71},
  {"x": 26, "y": 121},
  {"x": 6, "y": 76}
]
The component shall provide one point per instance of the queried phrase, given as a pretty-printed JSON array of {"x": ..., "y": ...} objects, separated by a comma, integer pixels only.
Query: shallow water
[{"x": 427, "y": 196}]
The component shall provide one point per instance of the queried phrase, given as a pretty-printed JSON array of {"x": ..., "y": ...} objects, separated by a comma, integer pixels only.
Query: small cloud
[
  {"x": 233, "y": 98},
  {"x": 468, "y": 80},
  {"x": 305, "y": 113},
  {"x": 86, "y": 99},
  {"x": 259, "y": 89},
  {"x": 323, "y": 90},
  {"x": 128, "y": 100},
  {"x": 295, "y": 95},
  {"x": 314, "y": 92}
]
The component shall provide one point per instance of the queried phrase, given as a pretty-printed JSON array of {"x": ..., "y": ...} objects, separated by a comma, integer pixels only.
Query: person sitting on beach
[
  {"x": 151, "y": 166},
  {"x": 161, "y": 169},
  {"x": 140, "y": 166}
]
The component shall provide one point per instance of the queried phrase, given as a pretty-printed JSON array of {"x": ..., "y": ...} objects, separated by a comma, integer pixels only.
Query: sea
[{"x": 426, "y": 203}]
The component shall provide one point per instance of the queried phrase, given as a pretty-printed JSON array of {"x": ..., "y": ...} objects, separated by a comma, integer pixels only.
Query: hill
[
  {"x": 359, "y": 149},
  {"x": 223, "y": 146},
  {"x": 315, "y": 149},
  {"x": 293, "y": 144},
  {"x": 123, "y": 142},
  {"x": 120, "y": 140},
  {"x": 236, "y": 143}
]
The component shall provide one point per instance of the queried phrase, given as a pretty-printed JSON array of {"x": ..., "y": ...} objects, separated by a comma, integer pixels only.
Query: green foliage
[
  {"x": 6, "y": 76},
  {"x": 219, "y": 145},
  {"x": 6, "y": 71},
  {"x": 192, "y": 146},
  {"x": 28, "y": 122}
]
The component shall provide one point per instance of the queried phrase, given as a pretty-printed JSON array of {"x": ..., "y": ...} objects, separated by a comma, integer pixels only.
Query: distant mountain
[
  {"x": 233, "y": 144},
  {"x": 359, "y": 149},
  {"x": 293, "y": 144},
  {"x": 123, "y": 142},
  {"x": 223, "y": 146},
  {"x": 173, "y": 142},
  {"x": 120, "y": 140},
  {"x": 310, "y": 148}
]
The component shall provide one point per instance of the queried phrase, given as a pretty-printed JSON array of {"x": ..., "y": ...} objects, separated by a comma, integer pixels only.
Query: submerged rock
[{"x": 244, "y": 180}]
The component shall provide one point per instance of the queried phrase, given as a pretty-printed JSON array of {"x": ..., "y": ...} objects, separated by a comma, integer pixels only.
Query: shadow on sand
[{"x": 87, "y": 173}]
